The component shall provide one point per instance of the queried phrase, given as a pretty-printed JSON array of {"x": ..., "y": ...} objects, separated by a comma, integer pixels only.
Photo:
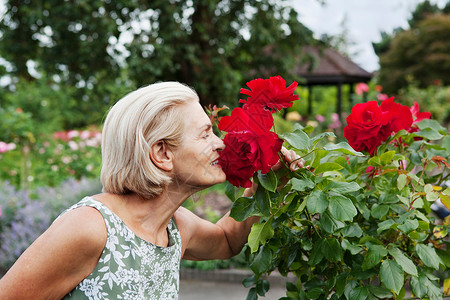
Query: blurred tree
[
  {"x": 214, "y": 46},
  {"x": 421, "y": 54},
  {"x": 421, "y": 12}
]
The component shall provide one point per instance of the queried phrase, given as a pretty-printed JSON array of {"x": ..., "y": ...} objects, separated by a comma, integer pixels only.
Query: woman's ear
[{"x": 162, "y": 156}]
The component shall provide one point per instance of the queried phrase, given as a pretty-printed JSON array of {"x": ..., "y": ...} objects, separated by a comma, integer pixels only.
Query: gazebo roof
[{"x": 326, "y": 66}]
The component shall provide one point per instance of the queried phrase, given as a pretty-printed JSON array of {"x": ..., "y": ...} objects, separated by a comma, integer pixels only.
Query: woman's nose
[{"x": 218, "y": 144}]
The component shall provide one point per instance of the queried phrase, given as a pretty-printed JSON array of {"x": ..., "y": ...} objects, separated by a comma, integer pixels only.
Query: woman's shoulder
[
  {"x": 60, "y": 258},
  {"x": 83, "y": 222}
]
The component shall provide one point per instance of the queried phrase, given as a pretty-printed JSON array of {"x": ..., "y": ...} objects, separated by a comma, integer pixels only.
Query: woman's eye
[{"x": 206, "y": 136}]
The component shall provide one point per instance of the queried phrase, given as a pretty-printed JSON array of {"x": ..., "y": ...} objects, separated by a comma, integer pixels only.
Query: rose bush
[
  {"x": 357, "y": 222},
  {"x": 250, "y": 145}
]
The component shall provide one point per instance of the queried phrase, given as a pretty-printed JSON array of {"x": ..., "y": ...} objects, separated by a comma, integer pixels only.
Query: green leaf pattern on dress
[{"x": 130, "y": 267}]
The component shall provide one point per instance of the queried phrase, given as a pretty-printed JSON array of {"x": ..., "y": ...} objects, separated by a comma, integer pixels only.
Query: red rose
[
  {"x": 366, "y": 127},
  {"x": 369, "y": 125},
  {"x": 417, "y": 117},
  {"x": 249, "y": 145},
  {"x": 399, "y": 116},
  {"x": 269, "y": 93}
]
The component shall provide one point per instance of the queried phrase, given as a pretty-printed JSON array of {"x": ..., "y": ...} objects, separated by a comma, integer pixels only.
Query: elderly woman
[{"x": 158, "y": 149}]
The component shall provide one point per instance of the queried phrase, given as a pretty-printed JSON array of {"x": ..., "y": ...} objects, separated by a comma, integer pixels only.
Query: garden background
[{"x": 64, "y": 65}]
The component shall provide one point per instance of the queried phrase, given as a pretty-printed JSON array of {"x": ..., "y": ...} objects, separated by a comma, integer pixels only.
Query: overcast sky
[{"x": 365, "y": 19}]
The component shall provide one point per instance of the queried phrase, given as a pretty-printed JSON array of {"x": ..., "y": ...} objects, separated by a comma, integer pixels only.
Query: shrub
[
  {"x": 351, "y": 225},
  {"x": 24, "y": 216}
]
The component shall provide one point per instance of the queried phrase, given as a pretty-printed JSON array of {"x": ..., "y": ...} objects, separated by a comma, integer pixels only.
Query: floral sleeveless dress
[{"x": 130, "y": 267}]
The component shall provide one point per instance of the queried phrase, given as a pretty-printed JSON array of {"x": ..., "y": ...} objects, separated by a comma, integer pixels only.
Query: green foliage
[
  {"x": 351, "y": 226},
  {"x": 48, "y": 161},
  {"x": 214, "y": 46},
  {"x": 436, "y": 99},
  {"x": 421, "y": 53}
]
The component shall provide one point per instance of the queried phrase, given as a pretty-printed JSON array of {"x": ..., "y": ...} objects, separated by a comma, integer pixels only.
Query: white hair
[{"x": 135, "y": 123}]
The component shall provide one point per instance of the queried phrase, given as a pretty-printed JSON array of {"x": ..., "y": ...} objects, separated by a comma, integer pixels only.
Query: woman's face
[{"x": 196, "y": 159}]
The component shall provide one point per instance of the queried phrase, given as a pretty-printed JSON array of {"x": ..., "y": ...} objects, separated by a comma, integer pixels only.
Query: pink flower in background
[
  {"x": 336, "y": 123},
  {"x": 73, "y": 133},
  {"x": 382, "y": 97},
  {"x": 320, "y": 118},
  {"x": 61, "y": 135},
  {"x": 85, "y": 134},
  {"x": 361, "y": 88},
  {"x": 4, "y": 147}
]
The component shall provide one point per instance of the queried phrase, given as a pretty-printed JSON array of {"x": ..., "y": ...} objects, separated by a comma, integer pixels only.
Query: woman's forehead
[{"x": 195, "y": 117}]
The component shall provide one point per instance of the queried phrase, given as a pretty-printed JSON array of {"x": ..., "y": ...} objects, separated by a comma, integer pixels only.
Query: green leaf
[
  {"x": 445, "y": 257},
  {"x": 262, "y": 201},
  {"x": 262, "y": 286},
  {"x": 359, "y": 293},
  {"x": 432, "y": 196},
  {"x": 343, "y": 187},
  {"x": 230, "y": 191},
  {"x": 431, "y": 124},
  {"x": 419, "y": 285},
  {"x": 316, "y": 202},
  {"x": 316, "y": 255},
  {"x": 262, "y": 260},
  {"x": 342, "y": 147},
  {"x": 385, "y": 225},
  {"x": 340, "y": 283},
  {"x": 313, "y": 142},
  {"x": 314, "y": 293},
  {"x": 379, "y": 211},
  {"x": 242, "y": 208},
  {"x": 401, "y": 181},
  {"x": 259, "y": 234},
  {"x": 428, "y": 255},
  {"x": 352, "y": 230},
  {"x": 407, "y": 265},
  {"x": 249, "y": 281},
  {"x": 375, "y": 161},
  {"x": 429, "y": 133},
  {"x": 302, "y": 185},
  {"x": 391, "y": 275},
  {"x": 342, "y": 208},
  {"x": 252, "y": 295},
  {"x": 380, "y": 292},
  {"x": 330, "y": 224},
  {"x": 386, "y": 158},
  {"x": 373, "y": 256},
  {"x": 428, "y": 188},
  {"x": 446, "y": 143},
  {"x": 268, "y": 181},
  {"x": 349, "y": 287},
  {"x": 332, "y": 250},
  {"x": 327, "y": 166},
  {"x": 297, "y": 139},
  {"x": 346, "y": 245},
  {"x": 408, "y": 226}
]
